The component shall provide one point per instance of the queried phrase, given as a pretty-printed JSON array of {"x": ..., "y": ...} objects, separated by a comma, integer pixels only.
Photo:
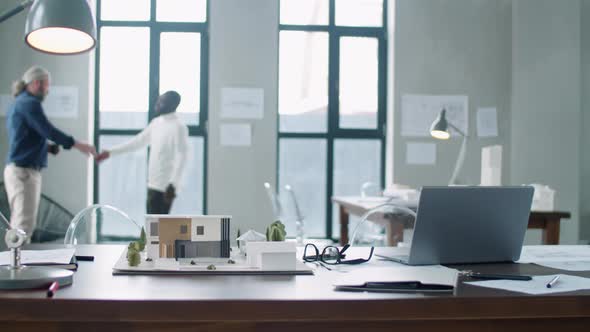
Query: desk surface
[{"x": 262, "y": 302}]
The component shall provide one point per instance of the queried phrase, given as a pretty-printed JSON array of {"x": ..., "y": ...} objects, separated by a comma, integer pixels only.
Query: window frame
[
  {"x": 199, "y": 130},
  {"x": 334, "y": 132}
]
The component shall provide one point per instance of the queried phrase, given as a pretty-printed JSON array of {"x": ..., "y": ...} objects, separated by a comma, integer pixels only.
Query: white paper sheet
[
  {"x": 487, "y": 122},
  {"x": 419, "y": 111},
  {"x": 61, "y": 102},
  {"x": 55, "y": 256},
  {"x": 554, "y": 253},
  {"x": 5, "y": 101},
  {"x": 538, "y": 285},
  {"x": 420, "y": 153},
  {"x": 568, "y": 266},
  {"x": 235, "y": 134},
  {"x": 563, "y": 257},
  {"x": 242, "y": 103}
]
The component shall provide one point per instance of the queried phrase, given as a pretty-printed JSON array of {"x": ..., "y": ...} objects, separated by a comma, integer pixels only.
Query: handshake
[
  {"x": 85, "y": 148},
  {"x": 100, "y": 157}
]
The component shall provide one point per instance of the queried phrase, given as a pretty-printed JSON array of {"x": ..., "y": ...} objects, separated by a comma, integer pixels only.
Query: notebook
[
  {"x": 72, "y": 265},
  {"x": 434, "y": 278},
  {"x": 60, "y": 258}
]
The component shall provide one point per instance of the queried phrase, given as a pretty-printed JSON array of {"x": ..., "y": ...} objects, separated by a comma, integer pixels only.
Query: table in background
[
  {"x": 547, "y": 221},
  {"x": 97, "y": 300}
]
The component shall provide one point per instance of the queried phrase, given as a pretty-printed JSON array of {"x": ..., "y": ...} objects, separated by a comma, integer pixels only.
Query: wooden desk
[
  {"x": 547, "y": 221},
  {"x": 99, "y": 301}
]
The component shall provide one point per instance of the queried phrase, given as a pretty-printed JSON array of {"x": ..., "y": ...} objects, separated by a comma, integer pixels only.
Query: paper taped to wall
[
  {"x": 487, "y": 122},
  {"x": 419, "y": 111},
  {"x": 420, "y": 153},
  {"x": 242, "y": 103},
  {"x": 61, "y": 102}
]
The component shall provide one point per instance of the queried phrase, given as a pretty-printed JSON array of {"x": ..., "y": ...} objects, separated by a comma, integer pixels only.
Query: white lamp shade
[
  {"x": 60, "y": 27},
  {"x": 440, "y": 127}
]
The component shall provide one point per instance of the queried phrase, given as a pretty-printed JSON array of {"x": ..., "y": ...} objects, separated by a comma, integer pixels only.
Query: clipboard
[{"x": 435, "y": 278}]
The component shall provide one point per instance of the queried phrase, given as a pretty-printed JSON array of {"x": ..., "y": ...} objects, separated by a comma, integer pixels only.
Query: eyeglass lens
[{"x": 330, "y": 255}]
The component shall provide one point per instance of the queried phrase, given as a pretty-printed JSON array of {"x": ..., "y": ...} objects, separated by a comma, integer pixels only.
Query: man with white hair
[{"x": 28, "y": 132}]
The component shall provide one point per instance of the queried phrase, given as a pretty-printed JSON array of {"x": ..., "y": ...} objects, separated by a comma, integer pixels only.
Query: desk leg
[
  {"x": 551, "y": 231},
  {"x": 395, "y": 233},
  {"x": 343, "y": 226}
]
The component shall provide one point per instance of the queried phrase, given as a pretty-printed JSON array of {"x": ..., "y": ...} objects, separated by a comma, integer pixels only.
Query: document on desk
[
  {"x": 432, "y": 278},
  {"x": 538, "y": 285},
  {"x": 563, "y": 257},
  {"x": 55, "y": 256}
]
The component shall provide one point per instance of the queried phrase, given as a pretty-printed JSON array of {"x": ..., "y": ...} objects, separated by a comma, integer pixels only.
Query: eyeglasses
[{"x": 331, "y": 255}]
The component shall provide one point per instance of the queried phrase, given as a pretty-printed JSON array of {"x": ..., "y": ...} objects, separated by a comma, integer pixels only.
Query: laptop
[{"x": 467, "y": 224}]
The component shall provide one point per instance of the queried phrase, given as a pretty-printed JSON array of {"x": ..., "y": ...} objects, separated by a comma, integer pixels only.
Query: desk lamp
[
  {"x": 440, "y": 130},
  {"x": 57, "y": 26},
  {"x": 17, "y": 276}
]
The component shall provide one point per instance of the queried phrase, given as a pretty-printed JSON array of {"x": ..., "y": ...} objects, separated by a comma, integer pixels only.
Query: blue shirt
[{"x": 28, "y": 132}]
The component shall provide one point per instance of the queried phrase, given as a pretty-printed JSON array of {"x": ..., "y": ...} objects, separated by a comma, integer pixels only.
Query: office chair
[
  {"x": 374, "y": 233},
  {"x": 52, "y": 219},
  {"x": 83, "y": 228}
]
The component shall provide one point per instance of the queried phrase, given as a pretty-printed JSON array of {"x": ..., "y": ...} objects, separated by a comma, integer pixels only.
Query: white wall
[
  {"x": 243, "y": 53},
  {"x": 65, "y": 179},
  {"x": 452, "y": 47},
  {"x": 546, "y": 94}
]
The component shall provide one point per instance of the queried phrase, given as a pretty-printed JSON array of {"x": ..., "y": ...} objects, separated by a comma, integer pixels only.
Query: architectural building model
[{"x": 170, "y": 236}]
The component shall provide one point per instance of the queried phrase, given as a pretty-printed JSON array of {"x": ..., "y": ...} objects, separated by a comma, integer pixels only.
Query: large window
[
  {"x": 332, "y": 75},
  {"x": 147, "y": 47}
]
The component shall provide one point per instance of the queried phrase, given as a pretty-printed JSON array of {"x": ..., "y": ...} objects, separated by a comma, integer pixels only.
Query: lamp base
[{"x": 28, "y": 277}]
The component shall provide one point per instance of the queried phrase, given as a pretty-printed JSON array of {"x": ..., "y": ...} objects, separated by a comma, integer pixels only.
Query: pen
[
  {"x": 52, "y": 289},
  {"x": 499, "y": 276},
  {"x": 553, "y": 282}
]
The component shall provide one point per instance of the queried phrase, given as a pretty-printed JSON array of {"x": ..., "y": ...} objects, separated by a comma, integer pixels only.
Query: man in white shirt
[{"x": 167, "y": 138}]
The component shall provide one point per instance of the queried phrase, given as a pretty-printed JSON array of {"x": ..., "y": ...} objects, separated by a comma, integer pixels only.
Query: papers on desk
[
  {"x": 40, "y": 257},
  {"x": 433, "y": 278},
  {"x": 568, "y": 266},
  {"x": 538, "y": 285},
  {"x": 563, "y": 257}
]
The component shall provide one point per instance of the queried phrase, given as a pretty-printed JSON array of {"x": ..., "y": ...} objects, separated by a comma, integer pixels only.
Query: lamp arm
[
  {"x": 457, "y": 129},
  {"x": 460, "y": 160},
  {"x": 11, "y": 12}
]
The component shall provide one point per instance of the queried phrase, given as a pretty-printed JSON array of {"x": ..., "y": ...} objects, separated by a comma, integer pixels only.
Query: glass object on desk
[
  {"x": 370, "y": 189},
  {"x": 374, "y": 233},
  {"x": 4, "y": 227},
  {"x": 84, "y": 228},
  {"x": 286, "y": 208}
]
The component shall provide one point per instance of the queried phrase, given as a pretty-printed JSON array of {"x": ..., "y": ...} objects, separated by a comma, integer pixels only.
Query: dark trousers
[{"x": 156, "y": 203}]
